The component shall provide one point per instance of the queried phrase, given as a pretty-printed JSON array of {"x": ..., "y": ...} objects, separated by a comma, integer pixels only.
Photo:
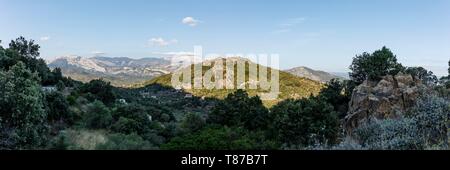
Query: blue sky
[{"x": 321, "y": 34}]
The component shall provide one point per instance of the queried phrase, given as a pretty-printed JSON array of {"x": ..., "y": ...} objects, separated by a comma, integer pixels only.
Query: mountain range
[
  {"x": 316, "y": 75},
  {"x": 126, "y": 72},
  {"x": 120, "y": 71}
]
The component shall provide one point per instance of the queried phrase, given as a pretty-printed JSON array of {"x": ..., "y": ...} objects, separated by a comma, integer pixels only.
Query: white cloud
[
  {"x": 190, "y": 21},
  {"x": 46, "y": 38},
  {"x": 161, "y": 42}
]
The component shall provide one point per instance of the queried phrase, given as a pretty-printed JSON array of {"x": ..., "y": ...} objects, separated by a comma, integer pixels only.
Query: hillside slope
[
  {"x": 290, "y": 86},
  {"x": 316, "y": 75}
]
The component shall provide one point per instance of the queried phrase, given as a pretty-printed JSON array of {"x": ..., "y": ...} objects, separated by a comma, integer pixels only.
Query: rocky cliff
[{"x": 388, "y": 98}]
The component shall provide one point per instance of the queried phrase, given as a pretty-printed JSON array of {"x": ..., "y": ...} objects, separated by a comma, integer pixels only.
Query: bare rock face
[{"x": 387, "y": 98}]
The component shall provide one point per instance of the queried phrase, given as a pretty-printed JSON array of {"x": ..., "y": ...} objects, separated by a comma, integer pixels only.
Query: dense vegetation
[{"x": 41, "y": 109}]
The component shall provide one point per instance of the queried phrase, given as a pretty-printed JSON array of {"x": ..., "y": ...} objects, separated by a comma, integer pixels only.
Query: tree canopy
[{"x": 373, "y": 66}]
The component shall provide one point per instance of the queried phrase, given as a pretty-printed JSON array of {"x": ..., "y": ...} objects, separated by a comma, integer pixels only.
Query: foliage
[
  {"x": 219, "y": 138},
  {"x": 192, "y": 122},
  {"x": 238, "y": 109},
  {"x": 99, "y": 90},
  {"x": 338, "y": 94},
  {"x": 374, "y": 66},
  {"x": 425, "y": 128},
  {"x": 421, "y": 73},
  {"x": 125, "y": 142},
  {"x": 26, "y": 51},
  {"x": 305, "y": 122},
  {"x": 131, "y": 118},
  {"x": 22, "y": 115},
  {"x": 78, "y": 139},
  {"x": 97, "y": 116},
  {"x": 60, "y": 86},
  {"x": 58, "y": 108}
]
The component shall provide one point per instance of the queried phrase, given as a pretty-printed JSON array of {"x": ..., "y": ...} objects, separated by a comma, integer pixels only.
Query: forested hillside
[{"x": 41, "y": 109}]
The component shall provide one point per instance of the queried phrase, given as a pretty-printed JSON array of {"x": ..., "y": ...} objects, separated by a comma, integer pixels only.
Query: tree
[
  {"x": 25, "y": 48},
  {"x": 421, "y": 73},
  {"x": 219, "y": 138},
  {"x": 338, "y": 94},
  {"x": 305, "y": 122},
  {"x": 27, "y": 52},
  {"x": 131, "y": 118},
  {"x": 374, "y": 66},
  {"x": 100, "y": 90},
  {"x": 58, "y": 108},
  {"x": 238, "y": 109},
  {"x": 22, "y": 116},
  {"x": 60, "y": 86},
  {"x": 97, "y": 116},
  {"x": 192, "y": 122}
]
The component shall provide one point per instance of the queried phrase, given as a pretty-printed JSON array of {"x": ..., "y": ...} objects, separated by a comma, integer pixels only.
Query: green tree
[
  {"x": 192, "y": 122},
  {"x": 22, "y": 115},
  {"x": 58, "y": 108},
  {"x": 100, "y": 90},
  {"x": 131, "y": 118},
  {"x": 305, "y": 122},
  {"x": 338, "y": 94},
  {"x": 374, "y": 66},
  {"x": 421, "y": 73},
  {"x": 238, "y": 109},
  {"x": 97, "y": 116},
  {"x": 60, "y": 86},
  {"x": 26, "y": 48},
  {"x": 219, "y": 138}
]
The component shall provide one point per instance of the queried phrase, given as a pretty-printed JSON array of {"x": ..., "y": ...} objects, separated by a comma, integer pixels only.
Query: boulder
[{"x": 388, "y": 98}]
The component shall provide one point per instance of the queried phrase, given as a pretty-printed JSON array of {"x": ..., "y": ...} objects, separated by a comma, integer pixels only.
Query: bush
[
  {"x": 23, "y": 119},
  {"x": 238, "y": 109},
  {"x": 424, "y": 128},
  {"x": 305, "y": 122},
  {"x": 58, "y": 108},
  {"x": 192, "y": 122},
  {"x": 98, "y": 116},
  {"x": 220, "y": 138},
  {"x": 125, "y": 142},
  {"x": 131, "y": 118},
  {"x": 99, "y": 90}
]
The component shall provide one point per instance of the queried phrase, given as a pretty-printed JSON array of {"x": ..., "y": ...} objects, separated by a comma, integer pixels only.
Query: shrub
[
  {"x": 238, "y": 109},
  {"x": 98, "y": 116},
  {"x": 125, "y": 142},
  {"x": 305, "y": 122},
  {"x": 424, "y": 128},
  {"x": 220, "y": 138},
  {"x": 192, "y": 122}
]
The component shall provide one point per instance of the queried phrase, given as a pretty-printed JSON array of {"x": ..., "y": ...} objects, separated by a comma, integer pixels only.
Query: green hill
[{"x": 291, "y": 86}]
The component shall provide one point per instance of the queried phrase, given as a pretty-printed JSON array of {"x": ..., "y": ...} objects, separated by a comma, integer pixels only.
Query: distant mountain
[
  {"x": 120, "y": 71},
  {"x": 290, "y": 86},
  {"x": 316, "y": 75},
  {"x": 341, "y": 74}
]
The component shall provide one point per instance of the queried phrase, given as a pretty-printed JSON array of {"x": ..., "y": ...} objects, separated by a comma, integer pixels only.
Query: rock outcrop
[{"x": 387, "y": 98}]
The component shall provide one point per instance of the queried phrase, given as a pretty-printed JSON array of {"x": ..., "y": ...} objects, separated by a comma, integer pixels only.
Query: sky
[{"x": 320, "y": 34}]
